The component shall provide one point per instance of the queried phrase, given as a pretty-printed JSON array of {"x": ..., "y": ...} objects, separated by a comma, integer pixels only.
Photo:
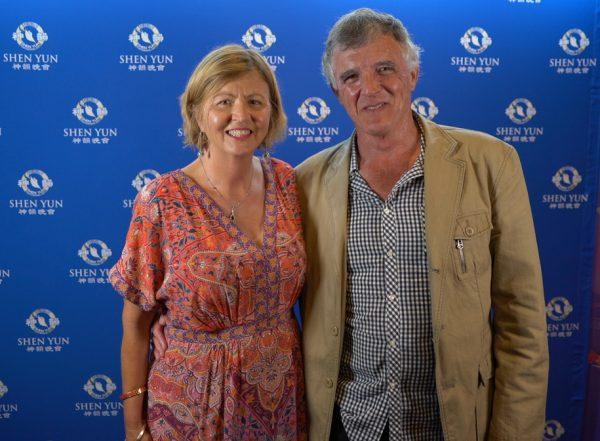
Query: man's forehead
[{"x": 374, "y": 50}]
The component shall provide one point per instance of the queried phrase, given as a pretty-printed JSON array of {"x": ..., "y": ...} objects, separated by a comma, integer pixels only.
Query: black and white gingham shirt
[{"x": 387, "y": 373}]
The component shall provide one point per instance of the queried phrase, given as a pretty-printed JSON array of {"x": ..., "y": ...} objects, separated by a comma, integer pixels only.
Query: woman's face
[{"x": 236, "y": 118}]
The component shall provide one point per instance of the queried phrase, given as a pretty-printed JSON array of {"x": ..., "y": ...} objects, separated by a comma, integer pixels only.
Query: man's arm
[{"x": 520, "y": 341}]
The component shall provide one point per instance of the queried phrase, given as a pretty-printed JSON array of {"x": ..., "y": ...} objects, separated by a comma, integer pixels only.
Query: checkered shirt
[{"x": 387, "y": 372}]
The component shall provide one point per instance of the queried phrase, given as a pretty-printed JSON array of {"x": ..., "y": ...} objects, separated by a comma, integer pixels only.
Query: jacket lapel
[
  {"x": 336, "y": 193},
  {"x": 444, "y": 175}
]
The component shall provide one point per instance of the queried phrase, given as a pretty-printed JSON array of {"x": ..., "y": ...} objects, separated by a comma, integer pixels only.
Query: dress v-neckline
[{"x": 217, "y": 213}]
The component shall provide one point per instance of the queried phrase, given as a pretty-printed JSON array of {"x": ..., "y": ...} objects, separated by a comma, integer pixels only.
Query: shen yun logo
[
  {"x": 520, "y": 111},
  {"x": 559, "y": 308},
  {"x": 143, "y": 178},
  {"x": 3, "y": 389},
  {"x": 259, "y": 37},
  {"x": 425, "y": 107},
  {"x": 35, "y": 183},
  {"x": 314, "y": 110},
  {"x": 42, "y": 321},
  {"x": 94, "y": 252},
  {"x": 476, "y": 40},
  {"x": 146, "y": 37},
  {"x": 566, "y": 178},
  {"x": 30, "y": 36},
  {"x": 100, "y": 387},
  {"x": 574, "y": 42},
  {"x": 90, "y": 111},
  {"x": 553, "y": 430}
]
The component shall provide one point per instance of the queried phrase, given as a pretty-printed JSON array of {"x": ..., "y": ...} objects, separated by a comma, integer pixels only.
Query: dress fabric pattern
[{"x": 233, "y": 368}]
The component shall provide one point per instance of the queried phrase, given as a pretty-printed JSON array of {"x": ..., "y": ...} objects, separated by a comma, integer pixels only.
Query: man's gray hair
[{"x": 356, "y": 29}]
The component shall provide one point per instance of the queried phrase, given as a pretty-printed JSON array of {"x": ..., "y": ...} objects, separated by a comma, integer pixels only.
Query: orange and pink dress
[{"x": 233, "y": 368}]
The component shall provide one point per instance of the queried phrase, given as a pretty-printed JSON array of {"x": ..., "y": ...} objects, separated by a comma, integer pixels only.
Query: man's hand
[{"x": 158, "y": 337}]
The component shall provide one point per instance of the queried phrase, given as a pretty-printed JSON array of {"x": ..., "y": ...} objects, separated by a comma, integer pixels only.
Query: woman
[{"x": 217, "y": 248}]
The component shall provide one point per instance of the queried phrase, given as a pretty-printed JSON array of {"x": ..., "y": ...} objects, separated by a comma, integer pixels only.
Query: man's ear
[
  {"x": 414, "y": 78},
  {"x": 333, "y": 89}
]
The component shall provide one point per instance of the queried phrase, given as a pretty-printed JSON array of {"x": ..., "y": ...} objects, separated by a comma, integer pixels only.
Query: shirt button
[
  {"x": 386, "y": 210},
  {"x": 390, "y": 253},
  {"x": 393, "y": 343},
  {"x": 392, "y": 385},
  {"x": 329, "y": 383},
  {"x": 469, "y": 231},
  {"x": 391, "y": 297},
  {"x": 334, "y": 330}
]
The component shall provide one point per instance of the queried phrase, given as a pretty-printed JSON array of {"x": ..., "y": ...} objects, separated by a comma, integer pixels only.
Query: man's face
[{"x": 374, "y": 84}]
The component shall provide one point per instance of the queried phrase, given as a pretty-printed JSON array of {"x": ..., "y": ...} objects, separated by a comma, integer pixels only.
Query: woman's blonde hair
[{"x": 219, "y": 67}]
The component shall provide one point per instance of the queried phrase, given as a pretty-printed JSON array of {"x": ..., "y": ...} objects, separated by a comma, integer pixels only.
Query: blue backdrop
[{"x": 90, "y": 113}]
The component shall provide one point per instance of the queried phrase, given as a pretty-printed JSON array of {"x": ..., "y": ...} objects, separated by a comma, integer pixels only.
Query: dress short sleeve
[{"x": 139, "y": 273}]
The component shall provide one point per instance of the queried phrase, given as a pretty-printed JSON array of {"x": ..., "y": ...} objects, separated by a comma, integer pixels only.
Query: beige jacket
[{"x": 491, "y": 368}]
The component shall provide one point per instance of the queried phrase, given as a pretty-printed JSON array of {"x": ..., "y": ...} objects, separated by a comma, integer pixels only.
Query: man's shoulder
[
  {"x": 319, "y": 162},
  {"x": 476, "y": 142}
]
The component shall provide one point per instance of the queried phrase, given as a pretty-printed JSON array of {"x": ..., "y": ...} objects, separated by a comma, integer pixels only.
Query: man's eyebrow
[
  {"x": 385, "y": 63},
  {"x": 347, "y": 73}
]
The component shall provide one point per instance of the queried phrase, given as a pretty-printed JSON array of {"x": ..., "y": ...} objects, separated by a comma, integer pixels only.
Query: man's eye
[
  {"x": 385, "y": 69},
  {"x": 349, "y": 78}
]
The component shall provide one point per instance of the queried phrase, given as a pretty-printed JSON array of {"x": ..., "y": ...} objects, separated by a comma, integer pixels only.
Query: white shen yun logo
[
  {"x": 259, "y": 37},
  {"x": 90, "y": 111},
  {"x": 143, "y": 178},
  {"x": 476, "y": 40},
  {"x": 94, "y": 252},
  {"x": 520, "y": 111},
  {"x": 100, "y": 387},
  {"x": 425, "y": 107},
  {"x": 146, "y": 37},
  {"x": 313, "y": 110},
  {"x": 42, "y": 321},
  {"x": 30, "y": 36},
  {"x": 559, "y": 308},
  {"x": 35, "y": 182},
  {"x": 566, "y": 178},
  {"x": 3, "y": 389},
  {"x": 574, "y": 41},
  {"x": 553, "y": 430}
]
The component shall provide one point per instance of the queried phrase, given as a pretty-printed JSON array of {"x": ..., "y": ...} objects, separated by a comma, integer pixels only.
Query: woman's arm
[{"x": 134, "y": 366}]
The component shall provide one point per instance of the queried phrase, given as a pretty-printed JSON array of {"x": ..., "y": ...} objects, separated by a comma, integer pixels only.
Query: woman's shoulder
[
  {"x": 281, "y": 168},
  {"x": 158, "y": 187}
]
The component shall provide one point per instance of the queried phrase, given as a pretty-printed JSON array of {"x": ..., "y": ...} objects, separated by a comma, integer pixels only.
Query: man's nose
[{"x": 370, "y": 84}]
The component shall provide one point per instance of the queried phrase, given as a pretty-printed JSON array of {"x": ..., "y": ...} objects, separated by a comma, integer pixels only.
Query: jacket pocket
[{"x": 471, "y": 239}]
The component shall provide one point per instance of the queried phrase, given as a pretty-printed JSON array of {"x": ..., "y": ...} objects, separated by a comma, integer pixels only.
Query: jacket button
[
  {"x": 334, "y": 330},
  {"x": 329, "y": 383},
  {"x": 469, "y": 231}
]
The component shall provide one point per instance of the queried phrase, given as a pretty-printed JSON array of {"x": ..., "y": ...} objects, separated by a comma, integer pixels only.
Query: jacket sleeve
[{"x": 520, "y": 340}]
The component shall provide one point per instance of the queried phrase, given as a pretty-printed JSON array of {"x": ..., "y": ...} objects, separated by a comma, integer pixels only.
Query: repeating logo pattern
[
  {"x": 314, "y": 110},
  {"x": 146, "y": 37},
  {"x": 553, "y": 430},
  {"x": 143, "y": 178},
  {"x": 259, "y": 37},
  {"x": 425, "y": 107},
  {"x": 559, "y": 308},
  {"x": 42, "y": 321},
  {"x": 90, "y": 111},
  {"x": 476, "y": 40},
  {"x": 574, "y": 42},
  {"x": 520, "y": 111},
  {"x": 30, "y": 36},
  {"x": 99, "y": 386},
  {"x": 94, "y": 252},
  {"x": 35, "y": 182},
  {"x": 566, "y": 178}
]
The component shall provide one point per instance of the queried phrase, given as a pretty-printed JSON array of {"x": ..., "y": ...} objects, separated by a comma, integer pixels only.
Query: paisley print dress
[{"x": 233, "y": 368}]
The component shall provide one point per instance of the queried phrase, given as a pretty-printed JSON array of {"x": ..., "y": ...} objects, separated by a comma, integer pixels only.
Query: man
[{"x": 415, "y": 233}]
